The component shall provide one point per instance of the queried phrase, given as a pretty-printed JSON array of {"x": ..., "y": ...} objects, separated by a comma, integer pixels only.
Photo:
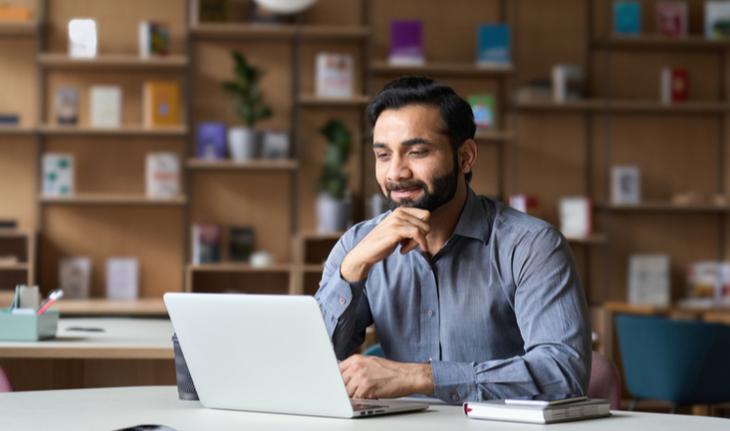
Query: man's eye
[
  {"x": 418, "y": 153},
  {"x": 381, "y": 156}
]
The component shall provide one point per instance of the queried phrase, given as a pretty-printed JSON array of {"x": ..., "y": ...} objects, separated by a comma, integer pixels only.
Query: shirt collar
[{"x": 474, "y": 219}]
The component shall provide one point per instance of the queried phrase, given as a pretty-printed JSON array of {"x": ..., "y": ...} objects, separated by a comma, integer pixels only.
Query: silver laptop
[{"x": 265, "y": 353}]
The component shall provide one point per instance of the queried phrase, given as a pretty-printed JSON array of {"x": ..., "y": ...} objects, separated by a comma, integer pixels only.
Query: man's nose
[{"x": 398, "y": 169}]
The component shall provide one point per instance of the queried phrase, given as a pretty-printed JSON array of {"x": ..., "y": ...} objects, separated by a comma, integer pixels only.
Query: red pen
[{"x": 52, "y": 298}]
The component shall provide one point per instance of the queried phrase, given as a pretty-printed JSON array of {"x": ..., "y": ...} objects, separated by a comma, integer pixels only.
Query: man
[{"x": 471, "y": 299}]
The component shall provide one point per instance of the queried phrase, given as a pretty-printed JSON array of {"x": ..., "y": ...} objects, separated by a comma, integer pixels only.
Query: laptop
[{"x": 265, "y": 353}]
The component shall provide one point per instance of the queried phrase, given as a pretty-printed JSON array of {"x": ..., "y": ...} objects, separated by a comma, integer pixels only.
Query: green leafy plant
[
  {"x": 248, "y": 99},
  {"x": 333, "y": 179}
]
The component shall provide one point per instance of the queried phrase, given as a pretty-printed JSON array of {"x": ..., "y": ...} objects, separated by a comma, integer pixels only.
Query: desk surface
[
  {"x": 114, "y": 408},
  {"x": 121, "y": 339}
]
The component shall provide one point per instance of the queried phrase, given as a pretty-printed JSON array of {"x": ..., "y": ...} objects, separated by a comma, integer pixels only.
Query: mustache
[{"x": 405, "y": 185}]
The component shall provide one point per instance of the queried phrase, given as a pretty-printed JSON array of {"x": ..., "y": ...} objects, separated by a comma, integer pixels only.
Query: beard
[{"x": 444, "y": 190}]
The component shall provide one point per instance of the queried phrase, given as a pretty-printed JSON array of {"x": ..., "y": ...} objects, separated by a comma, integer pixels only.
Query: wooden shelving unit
[
  {"x": 664, "y": 207},
  {"x": 658, "y": 42},
  {"x": 625, "y": 106},
  {"x": 357, "y": 101},
  {"x": 278, "y": 32},
  {"x": 442, "y": 69},
  {"x": 127, "y": 130},
  {"x": 113, "y": 199},
  {"x": 16, "y": 131},
  {"x": 18, "y": 29},
  {"x": 21, "y": 246},
  {"x": 253, "y": 165},
  {"x": 112, "y": 61}
]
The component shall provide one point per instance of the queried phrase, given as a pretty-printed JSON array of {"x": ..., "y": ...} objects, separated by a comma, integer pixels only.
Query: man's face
[{"x": 414, "y": 163}]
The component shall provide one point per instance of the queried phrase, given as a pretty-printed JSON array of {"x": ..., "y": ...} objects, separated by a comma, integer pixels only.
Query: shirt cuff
[
  {"x": 341, "y": 294},
  {"x": 453, "y": 382}
]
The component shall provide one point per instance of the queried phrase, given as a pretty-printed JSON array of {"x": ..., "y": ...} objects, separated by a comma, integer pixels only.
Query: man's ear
[{"x": 467, "y": 155}]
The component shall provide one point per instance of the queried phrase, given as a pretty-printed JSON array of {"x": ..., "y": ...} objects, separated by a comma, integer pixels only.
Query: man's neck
[{"x": 444, "y": 219}]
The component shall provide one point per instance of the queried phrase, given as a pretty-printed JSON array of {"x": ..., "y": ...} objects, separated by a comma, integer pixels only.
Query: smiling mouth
[{"x": 405, "y": 193}]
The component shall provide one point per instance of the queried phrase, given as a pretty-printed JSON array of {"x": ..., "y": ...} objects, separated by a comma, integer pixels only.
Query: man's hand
[
  {"x": 374, "y": 377},
  {"x": 406, "y": 226}
]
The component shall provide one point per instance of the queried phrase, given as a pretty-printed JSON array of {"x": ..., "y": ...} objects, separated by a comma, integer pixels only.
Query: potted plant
[
  {"x": 248, "y": 103},
  {"x": 333, "y": 206}
]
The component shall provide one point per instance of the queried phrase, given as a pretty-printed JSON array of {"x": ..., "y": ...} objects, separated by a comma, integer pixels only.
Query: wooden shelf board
[
  {"x": 333, "y": 32},
  {"x": 254, "y": 165},
  {"x": 238, "y": 267},
  {"x": 663, "y": 207},
  {"x": 62, "y": 60},
  {"x": 655, "y": 41},
  {"x": 277, "y": 32},
  {"x": 14, "y": 233},
  {"x": 594, "y": 239},
  {"x": 112, "y": 307},
  {"x": 313, "y": 268},
  {"x": 16, "y": 130},
  {"x": 604, "y": 105},
  {"x": 15, "y": 267},
  {"x": 313, "y": 100},
  {"x": 112, "y": 199},
  {"x": 494, "y": 135},
  {"x": 29, "y": 28},
  {"x": 317, "y": 236},
  {"x": 443, "y": 68},
  {"x": 138, "y": 131}
]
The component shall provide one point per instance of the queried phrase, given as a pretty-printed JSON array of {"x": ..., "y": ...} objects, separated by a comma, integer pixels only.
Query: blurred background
[{"x": 221, "y": 146}]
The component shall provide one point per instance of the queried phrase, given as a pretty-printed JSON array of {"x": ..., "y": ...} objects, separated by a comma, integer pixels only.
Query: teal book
[
  {"x": 493, "y": 44},
  {"x": 626, "y": 17}
]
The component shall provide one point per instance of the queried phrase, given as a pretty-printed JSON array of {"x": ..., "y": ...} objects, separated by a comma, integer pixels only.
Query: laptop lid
[{"x": 267, "y": 353}]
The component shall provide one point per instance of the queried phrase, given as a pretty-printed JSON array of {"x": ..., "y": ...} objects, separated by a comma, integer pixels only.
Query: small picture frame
[
  {"x": 625, "y": 185},
  {"x": 275, "y": 145}
]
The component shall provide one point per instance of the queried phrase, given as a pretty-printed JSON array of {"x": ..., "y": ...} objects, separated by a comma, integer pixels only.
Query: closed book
[
  {"x": 162, "y": 104},
  {"x": 626, "y": 17},
  {"x": 206, "y": 243},
  {"x": 499, "y": 410},
  {"x": 576, "y": 217},
  {"x": 58, "y": 174},
  {"x": 154, "y": 39},
  {"x": 671, "y": 18},
  {"x": 717, "y": 19},
  {"x": 493, "y": 45},
  {"x": 241, "y": 242},
  {"x": 122, "y": 278},
  {"x": 334, "y": 75},
  {"x": 9, "y": 119},
  {"x": 82, "y": 38},
  {"x": 66, "y": 106},
  {"x": 567, "y": 82},
  {"x": 674, "y": 85},
  {"x": 406, "y": 42},
  {"x": 649, "y": 282},
  {"x": 163, "y": 175},
  {"x": 106, "y": 106},
  {"x": 483, "y": 107},
  {"x": 74, "y": 277},
  {"x": 625, "y": 185},
  {"x": 210, "y": 141}
]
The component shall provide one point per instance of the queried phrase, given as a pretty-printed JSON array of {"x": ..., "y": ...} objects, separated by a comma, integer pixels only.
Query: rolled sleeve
[{"x": 453, "y": 381}]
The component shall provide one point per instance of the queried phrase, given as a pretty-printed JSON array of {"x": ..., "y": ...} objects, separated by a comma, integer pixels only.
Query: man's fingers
[
  {"x": 411, "y": 219},
  {"x": 420, "y": 214}
]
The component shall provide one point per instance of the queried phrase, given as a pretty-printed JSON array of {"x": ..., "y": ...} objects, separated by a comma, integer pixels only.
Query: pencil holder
[{"x": 27, "y": 326}]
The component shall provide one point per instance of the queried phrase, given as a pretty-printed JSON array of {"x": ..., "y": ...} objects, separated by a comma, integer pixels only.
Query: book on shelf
[
  {"x": 122, "y": 278},
  {"x": 206, "y": 243},
  {"x": 709, "y": 280},
  {"x": 334, "y": 75},
  {"x": 484, "y": 108},
  {"x": 493, "y": 45},
  {"x": 538, "y": 413},
  {"x": 627, "y": 17},
  {"x": 14, "y": 13},
  {"x": 154, "y": 39},
  {"x": 82, "y": 38},
  {"x": 58, "y": 174},
  {"x": 576, "y": 217},
  {"x": 66, "y": 106},
  {"x": 106, "y": 106},
  {"x": 671, "y": 18},
  {"x": 567, "y": 82},
  {"x": 241, "y": 243},
  {"x": 649, "y": 282},
  {"x": 210, "y": 141},
  {"x": 162, "y": 175},
  {"x": 528, "y": 204},
  {"x": 625, "y": 185},
  {"x": 7, "y": 223},
  {"x": 275, "y": 145},
  {"x": 717, "y": 19},
  {"x": 406, "y": 43},
  {"x": 162, "y": 104},
  {"x": 674, "y": 84},
  {"x": 9, "y": 119},
  {"x": 74, "y": 277}
]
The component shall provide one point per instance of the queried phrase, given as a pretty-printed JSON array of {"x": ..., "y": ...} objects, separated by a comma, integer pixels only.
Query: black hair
[{"x": 456, "y": 113}]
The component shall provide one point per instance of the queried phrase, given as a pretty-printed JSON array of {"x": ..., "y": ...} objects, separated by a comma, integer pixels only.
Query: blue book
[
  {"x": 9, "y": 119},
  {"x": 493, "y": 44},
  {"x": 626, "y": 17},
  {"x": 211, "y": 141}
]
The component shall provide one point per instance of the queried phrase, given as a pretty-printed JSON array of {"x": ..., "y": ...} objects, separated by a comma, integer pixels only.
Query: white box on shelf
[
  {"x": 106, "y": 106},
  {"x": 122, "y": 278},
  {"x": 625, "y": 185},
  {"x": 74, "y": 277},
  {"x": 82, "y": 38},
  {"x": 334, "y": 77},
  {"x": 58, "y": 174},
  {"x": 567, "y": 82},
  {"x": 649, "y": 279},
  {"x": 163, "y": 175},
  {"x": 576, "y": 217}
]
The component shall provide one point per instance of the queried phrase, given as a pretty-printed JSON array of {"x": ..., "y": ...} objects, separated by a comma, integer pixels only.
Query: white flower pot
[
  {"x": 333, "y": 215},
  {"x": 242, "y": 144}
]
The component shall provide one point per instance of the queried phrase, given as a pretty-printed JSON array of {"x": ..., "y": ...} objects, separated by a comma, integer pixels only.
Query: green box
[{"x": 27, "y": 327}]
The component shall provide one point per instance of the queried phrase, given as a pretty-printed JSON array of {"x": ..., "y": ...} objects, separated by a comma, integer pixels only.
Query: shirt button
[
  {"x": 430, "y": 359},
  {"x": 455, "y": 397},
  {"x": 429, "y": 313},
  {"x": 343, "y": 300}
]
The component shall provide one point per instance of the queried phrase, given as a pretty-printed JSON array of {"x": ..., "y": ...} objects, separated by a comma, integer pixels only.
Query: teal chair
[
  {"x": 682, "y": 362},
  {"x": 374, "y": 350}
]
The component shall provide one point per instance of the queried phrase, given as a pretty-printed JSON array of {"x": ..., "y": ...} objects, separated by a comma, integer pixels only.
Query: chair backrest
[
  {"x": 605, "y": 381},
  {"x": 374, "y": 350},
  {"x": 683, "y": 362},
  {"x": 4, "y": 382}
]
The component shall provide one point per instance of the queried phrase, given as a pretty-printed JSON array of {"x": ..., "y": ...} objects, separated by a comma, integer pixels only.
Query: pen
[{"x": 52, "y": 298}]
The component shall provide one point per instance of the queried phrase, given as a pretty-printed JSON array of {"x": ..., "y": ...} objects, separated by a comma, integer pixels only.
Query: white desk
[{"x": 114, "y": 408}]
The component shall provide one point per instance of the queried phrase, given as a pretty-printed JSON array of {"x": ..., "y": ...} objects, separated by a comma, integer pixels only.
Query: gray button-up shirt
[{"x": 498, "y": 312}]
